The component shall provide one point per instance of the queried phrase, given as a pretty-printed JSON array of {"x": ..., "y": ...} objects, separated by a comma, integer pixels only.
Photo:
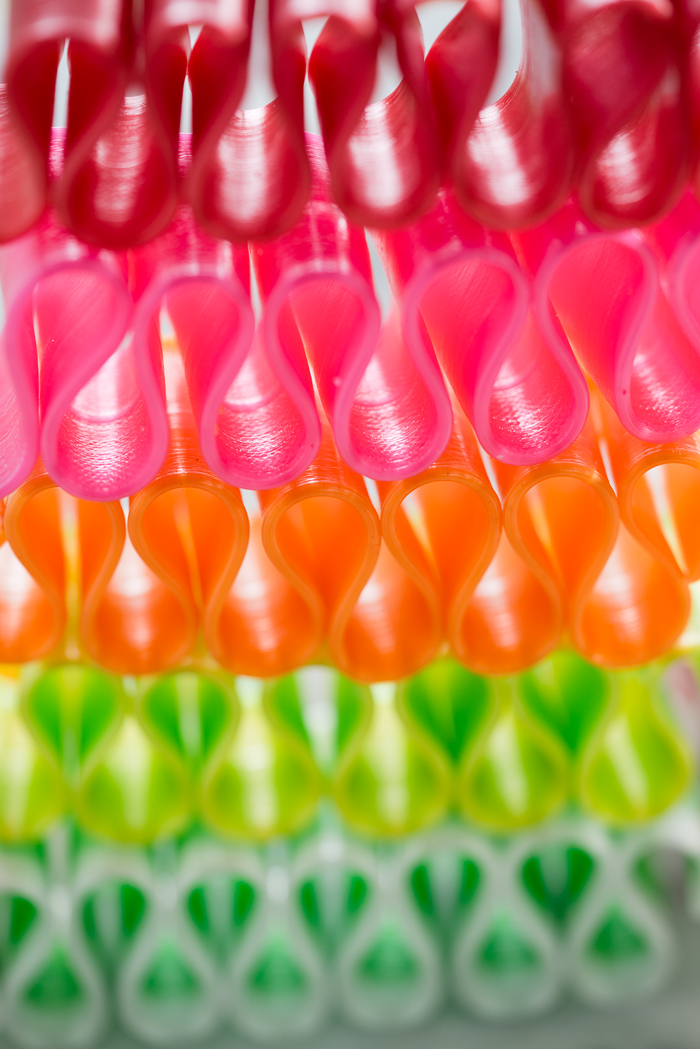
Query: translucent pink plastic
[
  {"x": 254, "y": 424},
  {"x": 68, "y": 310},
  {"x": 515, "y": 166},
  {"x": 462, "y": 292},
  {"x": 622, "y": 75},
  {"x": 118, "y": 184},
  {"x": 614, "y": 296},
  {"x": 385, "y": 398},
  {"x": 384, "y": 156}
]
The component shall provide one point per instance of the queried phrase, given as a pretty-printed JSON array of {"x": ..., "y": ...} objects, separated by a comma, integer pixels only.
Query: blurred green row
[
  {"x": 181, "y": 939},
  {"x": 139, "y": 759}
]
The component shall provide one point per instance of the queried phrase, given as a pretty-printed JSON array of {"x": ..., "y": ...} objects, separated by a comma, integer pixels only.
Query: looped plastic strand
[
  {"x": 462, "y": 291},
  {"x": 636, "y": 728},
  {"x": 249, "y": 177},
  {"x": 443, "y": 527},
  {"x": 68, "y": 312},
  {"x": 658, "y": 489},
  {"x": 292, "y": 587},
  {"x": 385, "y": 399},
  {"x": 187, "y": 536},
  {"x": 32, "y": 577},
  {"x": 622, "y": 73},
  {"x": 623, "y": 606},
  {"x": 610, "y": 292},
  {"x": 248, "y": 422},
  {"x": 461, "y": 66},
  {"x": 515, "y": 167},
  {"x": 562, "y": 518},
  {"x": 118, "y": 184},
  {"x": 383, "y": 156}
]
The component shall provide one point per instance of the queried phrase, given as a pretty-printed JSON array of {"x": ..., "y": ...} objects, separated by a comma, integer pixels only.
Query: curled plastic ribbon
[
  {"x": 383, "y": 156},
  {"x": 462, "y": 293},
  {"x": 250, "y": 427},
  {"x": 249, "y": 176},
  {"x": 384, "y": 397},
  {"x": 187, "y": 536},
  {"x": 658, "y": 487},
  {"x": 621, "y": 605},
  {"x": 617, "y": 300},
  {"x": 515, "y": 166},
  {"x": 23, "y": 182},
  {"x": 65, "y": 352},
  {"x": 443, "y": 527},
  {"x": 32, "y": 592},
  {"x": 118, "y": 183},
  {"x": 622, "y": 74},
  {"x": 561, "y": 518}
]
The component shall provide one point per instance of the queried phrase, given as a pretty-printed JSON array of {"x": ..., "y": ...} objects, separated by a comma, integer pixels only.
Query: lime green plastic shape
[
  {"x": 567, "y": 695},
  {"x": 391, "y": 779},
  {"x": 188, "y": 712},
  {"x": 136, "y": 791},
  {"x": 32, "y": 794},
  {"x": 260, "y": 782},
  {"x": 515, "y": 774},
  {"x": 449, "y": 703},
  {"x": 287, "y": 702},
  {"x": 636, "y": 764},
  {"x": 71, "y": 710}
]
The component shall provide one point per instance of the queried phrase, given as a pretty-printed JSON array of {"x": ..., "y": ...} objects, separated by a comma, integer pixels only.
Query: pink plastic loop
[
  {"x": 385, "y": 400},
  {"x": 605, "y": 290},
  {"x": 68, "y": 312},
  {"x": 118, "y": 185},
  {"x": 383, "y": 156},
  {"x": 249, "y": 176},
  {"x": 515, "y": 167},
  {"x": 461, "y": 289},
  {"x": 622, "y": 76},
  {"x": 676, "y": 242},
  {"x": 460, "y": 67},
  {"x": 251, "y": 431}
]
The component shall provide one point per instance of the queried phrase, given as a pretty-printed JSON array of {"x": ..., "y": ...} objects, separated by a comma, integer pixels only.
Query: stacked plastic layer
[
  {"x": 505, "y": 329},
  {"x": 180, "y": 941},
  {"x": 376, "y": 908},
  {"x": 138, "y": 759},
  {"x": 605, "y": 102},
  {"x": 429, "y": 563}
]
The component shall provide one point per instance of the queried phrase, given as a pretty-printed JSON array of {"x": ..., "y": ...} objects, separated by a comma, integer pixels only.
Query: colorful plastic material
[
  {"x": 622, "y": 74},
  {"x": 516, "y": 165},
  {"x": 383, "y": 155},
  {"x": 658, "y": 488},
  {"x": 443, "y": 527},
  {"x": 249, "y": 176},
  {"x": 187, "y": 537},
  {"x": 615, "y": 301},
  {"x": 118, "y": 174},
  {"x": 463, "y": 295},
  {"x": 385, "y": 399},
  {"x": 622, "y": 605},
  {"x": 71, "y": 367}
]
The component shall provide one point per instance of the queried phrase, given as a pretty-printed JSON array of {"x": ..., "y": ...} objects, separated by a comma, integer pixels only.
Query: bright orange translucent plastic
[
  {"x": 321, "y": 584},
  {"x": 312, "y": 547},
  {"x": 32, "y": 571},
  {"x": 620, "y": 604},
  {"x": 658, "y": 489},
  {"x": 187, "y": 535},
  {"x": 561, "y": 518},
  {"x": 443, "y": 527}
]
